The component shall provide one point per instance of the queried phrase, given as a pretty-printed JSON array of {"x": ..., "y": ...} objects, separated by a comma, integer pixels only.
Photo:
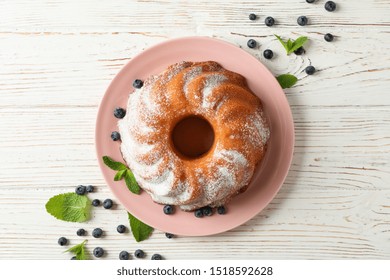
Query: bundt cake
[{"x": 193, "y": 135}]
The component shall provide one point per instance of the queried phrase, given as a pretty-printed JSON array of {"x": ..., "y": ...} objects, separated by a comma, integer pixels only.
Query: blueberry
[
  {"x": 80, "y": 190},
  {"x": 97, "y": 232},
  {"x": 98, "y": 252},
  {"x": 81, "y": 232},
  {"x": 124, "y": 255},
  {"x": 330, "y": 6},
  {"x": 168, "y": 209},
  {"x": 268, "y": 54},
  {"x": 62, "y": 241},
  {"x": 119, "y": 113},
  {"x": 328, "y": 37},
  {"x": 221, "y": 210},
  {"x": 107, "y": 203},
  {"x": 90, "y": 188},
  {"x": 251, "y": 43},
  {"x": 138, "y": 83},
  {"x": 198, "y": 213},
  {"x": 121, "y": 229},
  {"x": 73, "y": 258},
  {"x": 156, "y": 257},
  {"x": 310, "y": 70},
  {"x": 299, "y": 51},
  {"x": 310, "y": 1},
  {"x": 269, "y": 21},
  {"x": 115, "y": 136},
  {"x": 252, "y": 17},
  {"x": 169, "y": 235},
  {"x": 96, "y": 202},
  {"x": 302, "y": 20},
  {"x": 139, "y": 254},
  {"x": 207, "y": 211}
]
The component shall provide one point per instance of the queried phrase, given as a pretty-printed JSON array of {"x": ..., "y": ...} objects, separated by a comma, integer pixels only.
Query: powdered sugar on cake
[{"x": 241, "y": 134}]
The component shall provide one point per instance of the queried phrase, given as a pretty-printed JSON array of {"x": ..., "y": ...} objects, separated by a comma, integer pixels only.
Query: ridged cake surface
[{"x": 221, "y": 97}]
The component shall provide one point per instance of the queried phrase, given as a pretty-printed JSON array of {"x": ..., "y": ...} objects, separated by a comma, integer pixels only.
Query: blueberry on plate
[
  {"x": 115, "y": 136},
  {"x": 221, "y": 210},
  {"x": 81, "y": 232},
  {"x": 62, "y": 241},
  {"x": 80, "y": 189},
  {"x": 138, "y": 83},
  {"x": 121, "y": 229},
  {"x": 168, "y": 209},
  {"x": 119, "y": 113},
  {"x": 330, "y": 6},
  {"x": 96, "y": 202},
  {"x": 310, "y": 70},
  {"x": 207, "y": 211},
  {"x": 268, "y": 54},
  {"x": 252, "y": 17},
  {"x": 269, "y": 21},
  {"x": 107, "y": 203},
  {"x": 328, "y": 37},
  {"x": 302, "y": 20},
  {"x": 156, "y": 257},
  {"x": 251, "y": 43},
  {"x": 198, "y": 213},
  {"x": 97, "y": 232},
  {"x": 98, "y": 252},
  {"x": 124, "y": 255},
  {"x": 139, "y": 254}
]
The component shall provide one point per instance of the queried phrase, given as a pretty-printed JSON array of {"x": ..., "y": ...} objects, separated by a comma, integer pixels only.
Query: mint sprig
[
  {"x": 80, "y": 251},
  {"x": 140, "y": 230},
  {"x": 287, "y": 80},
  {"x": 123, "y": 172},
  {"x": 69, "y": 207},
  {"x": 291, "y": 45}
]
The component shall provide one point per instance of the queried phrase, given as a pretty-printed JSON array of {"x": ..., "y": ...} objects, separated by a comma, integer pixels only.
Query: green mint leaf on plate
[
  {"x": 114, "y": 165},
  {"x": 291, "y": 46},
  {"x": 140, "y": 230},
  {"x": 69, "y": 207},
  {"x": 119, "y": 175},
  {"x": 287, "y": 80},
  {"x": 80, "y": 251},
  {"x": 131, "y": 183}
]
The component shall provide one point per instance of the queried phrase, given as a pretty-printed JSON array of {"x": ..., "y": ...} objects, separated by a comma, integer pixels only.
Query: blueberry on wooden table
[
  {"x": 124, "y": 255},
  {"x": 90, "y": 188},
  {"x": 119, "y": 113},
  {"x": 252, "y": 16},
  {"x": 251, "y": 43},
  {"x": 96, "y": 202},
  {"x": 80, "y": 190},
  {"x": 299, "y": 51},
  {"x": 138, "y": 83},
  {"x": 302, "y": 20},
  {"x": 62, "y": 241},
  {"x": 97, "y": 232},
  {"x": 156, "y": 257},
  {"x": 310, "y": 70},
  {"x": 107, "y": 203},
  {"x": 121, "y": 229},
  {"x": 115, "y": 136},
  {"x": 81, "y": 232},
  {"x": 269, "y": 21},
  {"x": 139, "y": 254},
  {"x": 310, "y": 1},
  {"x": 268, "y": 54},
  {"x": 98, "y": 252},
  {"x": 169, "y": 235},
  {"x": 328, "y": 37},
  {"x": 330, "y": 6}
]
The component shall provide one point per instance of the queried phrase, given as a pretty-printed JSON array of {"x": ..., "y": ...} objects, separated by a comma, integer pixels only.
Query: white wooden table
[{"x": 58, "y": 57}]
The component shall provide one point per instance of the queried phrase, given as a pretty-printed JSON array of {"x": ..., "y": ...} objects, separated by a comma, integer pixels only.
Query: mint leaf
[
  {"x": 291, "y": 46},
  {"x": 140, "y": 230},
  {"x": 80, "y": 251},
  {"x": 119, "y": 175},
  {"x": 287, "y": 80},
  {"x": 131, "y": 183},
  {"x": 114, "y": 165},
  {"x": 69, "y": 207}
]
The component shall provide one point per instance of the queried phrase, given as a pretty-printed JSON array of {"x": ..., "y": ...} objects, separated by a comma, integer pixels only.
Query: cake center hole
[{"x": 193, "y": 136}]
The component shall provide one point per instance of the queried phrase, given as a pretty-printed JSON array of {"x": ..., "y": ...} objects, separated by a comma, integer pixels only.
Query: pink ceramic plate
[{"x": 269, "y": 176}]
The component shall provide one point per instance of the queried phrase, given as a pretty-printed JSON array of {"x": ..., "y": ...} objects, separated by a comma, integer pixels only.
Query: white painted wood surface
[{"x": 57, "y": 58}]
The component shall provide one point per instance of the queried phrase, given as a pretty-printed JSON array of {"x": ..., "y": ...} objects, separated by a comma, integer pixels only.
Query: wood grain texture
[{"x": 58, "y": 57}]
